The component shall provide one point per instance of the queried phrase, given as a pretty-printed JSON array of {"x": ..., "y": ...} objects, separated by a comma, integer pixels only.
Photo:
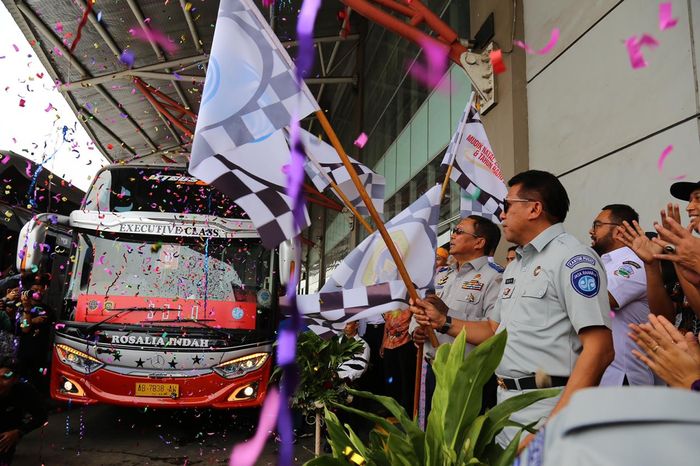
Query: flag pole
[
  {"x": 419, "y": 352},
  {"x": 341, "y": 194},
  {"x": 373, "y": 213}
]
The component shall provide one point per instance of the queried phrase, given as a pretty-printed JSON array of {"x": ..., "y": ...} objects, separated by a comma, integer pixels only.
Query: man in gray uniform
[
  {"x": 467, "y": 289},
  {"x": 553, "y": 303}
]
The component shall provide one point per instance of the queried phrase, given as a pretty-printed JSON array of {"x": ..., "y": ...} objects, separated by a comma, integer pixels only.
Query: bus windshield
[{"x": 163, "y": 279}]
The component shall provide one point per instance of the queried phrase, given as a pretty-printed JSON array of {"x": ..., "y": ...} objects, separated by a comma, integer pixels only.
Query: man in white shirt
[{"x": 627, "y": 293}]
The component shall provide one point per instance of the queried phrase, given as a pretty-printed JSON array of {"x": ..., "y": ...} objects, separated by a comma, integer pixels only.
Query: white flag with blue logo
[
  {"x": 475, "y": 168},
  {"x": 250, "y": 94}
]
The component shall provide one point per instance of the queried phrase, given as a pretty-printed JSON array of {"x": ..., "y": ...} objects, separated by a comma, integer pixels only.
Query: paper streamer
[
  {"x": 148, "y": 35},
  {"x": 81, "y": 25},
  {"x": 246, "y": 454},
  {"x": 430, "y": 73},
  {"x": 553, "y": 39},
  {"x": 662, "y": 157},
  {"x": 665, "y": 19},
  {"x": 634, "y": 49}
]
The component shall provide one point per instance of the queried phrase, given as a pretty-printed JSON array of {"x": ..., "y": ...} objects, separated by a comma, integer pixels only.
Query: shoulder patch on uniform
[
  {"x": 633, "y": 264},
  {"x": 496, "y": 267},
  {"x": 586, "y": 281},
  {"x": 580, "y": 259},
  {"x": 625, "y": 271}
]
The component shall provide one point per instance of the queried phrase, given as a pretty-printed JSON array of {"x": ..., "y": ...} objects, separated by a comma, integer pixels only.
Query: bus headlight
[
  {"x": 78, "y": 360},
  {"x": 239, "y": 366}
]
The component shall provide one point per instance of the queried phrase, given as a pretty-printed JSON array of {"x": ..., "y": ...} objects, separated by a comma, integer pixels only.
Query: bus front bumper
[{"x": 202, "y": 391}]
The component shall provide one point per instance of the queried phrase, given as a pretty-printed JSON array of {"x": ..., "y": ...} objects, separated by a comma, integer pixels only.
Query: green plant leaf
[
  {"x": 498, "y": 416},
  {"x": 401, "y": 451},
  {"x": 337, "y": 436},
  {"x": 327, "y": 461},
  {"x": 383, "y": 423},
  {"x": 455, "y": 408},
  {"x": 467, "y": 451},
  {"x": 508, "y": 455},
  {"x": 409, "y": 425},
  {"x": 356, "y": 442}
]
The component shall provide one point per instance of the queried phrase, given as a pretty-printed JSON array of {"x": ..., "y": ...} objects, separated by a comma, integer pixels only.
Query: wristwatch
[{"x": 446, "y": 326}]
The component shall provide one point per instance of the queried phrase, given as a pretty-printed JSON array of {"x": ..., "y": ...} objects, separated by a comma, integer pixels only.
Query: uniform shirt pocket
[{"x": 533, "y": 308}]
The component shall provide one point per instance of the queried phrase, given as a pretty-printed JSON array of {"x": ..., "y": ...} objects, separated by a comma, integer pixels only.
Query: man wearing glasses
[
  {"x": 553, "y": 303},
  {"x": 627, "y": 294},
  {"x": 468, "y": 288}
]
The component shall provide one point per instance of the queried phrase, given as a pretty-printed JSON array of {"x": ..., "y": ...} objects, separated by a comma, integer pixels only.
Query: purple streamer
[
  {"x": 246, "y": 454},
  {"x": 295, "y": 178}
]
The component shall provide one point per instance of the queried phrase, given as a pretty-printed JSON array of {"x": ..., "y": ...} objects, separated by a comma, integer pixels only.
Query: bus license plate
[{"x": 169, "y": 390}]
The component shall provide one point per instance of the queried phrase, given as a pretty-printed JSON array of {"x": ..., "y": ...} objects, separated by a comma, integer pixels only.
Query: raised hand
[{"x": 634, "y": 238}]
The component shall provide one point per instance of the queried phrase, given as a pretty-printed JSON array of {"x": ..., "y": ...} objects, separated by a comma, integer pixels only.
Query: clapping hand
[
  {"x": 679, "y": 246},
  {"x": 634, "y": 238}
]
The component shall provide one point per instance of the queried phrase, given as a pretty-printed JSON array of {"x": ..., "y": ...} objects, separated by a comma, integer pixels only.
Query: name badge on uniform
[{"x": 510, "y": 281}]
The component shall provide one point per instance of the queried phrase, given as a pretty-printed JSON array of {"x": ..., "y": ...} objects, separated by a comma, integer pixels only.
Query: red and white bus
[{"x": 171, "y": 299}]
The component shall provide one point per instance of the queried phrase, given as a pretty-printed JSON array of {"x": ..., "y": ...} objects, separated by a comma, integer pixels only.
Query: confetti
[
  {"x": 430, "y": 73},
  {"x": 148, "y": 35},
  {"x": 553, "y": 39},
  {"x": 6, "y": 159},
  {"x": 662, "y": 157},
  {"x": 48, "y": 109},
  {"x": 634, "y": 49},
  {"x": 665, "y": 19},
  {"x": 497, "y": 64},
  {"x": 15, "y": 47},
  {"x": 361, "y": 140},
  {"x": 127, "y": 57},
  {"x": 22, "y": 102},
  {"x": 59, "y": 27}
]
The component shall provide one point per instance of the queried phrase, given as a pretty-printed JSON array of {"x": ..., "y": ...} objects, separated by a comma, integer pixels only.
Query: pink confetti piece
[
  {"x": 662, "y": 157},
  {"x": 6, "y": 159},
  {"x": 59, "y": 27},
  {"x": 665, "y": 19},
  {"x": 246, "y": 454},
  {"x": 679, "y": 177},
  {"x": 28, "y": 170},
  {"x": 15, "y": 47},
  {"x": 148, "y": 35},
  {"x": 22, "y": 102},
  {"x": 497, "y": 64},
  {"x": 634, "y": 49},
  {"x": 268, "y": 3},
  {"x": 48, "y": 109},
  {"x": 553, "y": 39},
  {"x": 430, "y": 73},
  {"x": 361, "y": 140}
]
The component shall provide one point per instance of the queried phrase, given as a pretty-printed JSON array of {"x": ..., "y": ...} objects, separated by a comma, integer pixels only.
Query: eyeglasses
[
  {"x": 459, "y": 231},
  {"x": 598, "y": 224},
  {"x": 507, "y": 202}
]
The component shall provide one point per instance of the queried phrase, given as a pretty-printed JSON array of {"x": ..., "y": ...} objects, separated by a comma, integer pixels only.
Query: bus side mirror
[
  {"x": 287, "y": 252},
  {"x": 32, "y": 238}
]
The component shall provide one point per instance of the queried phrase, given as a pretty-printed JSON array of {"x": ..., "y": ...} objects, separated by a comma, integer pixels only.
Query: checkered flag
[
  {"x": 323, "y": 165},
  {"x": 250, "y": 93},
  {"x": 414, "y": 232},
  {"x": 475, "y": 168},
  {"x": 327, "y": 312}
]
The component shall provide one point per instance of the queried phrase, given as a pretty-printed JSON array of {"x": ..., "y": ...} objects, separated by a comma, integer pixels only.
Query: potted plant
[{"x": 455, "y": 433}]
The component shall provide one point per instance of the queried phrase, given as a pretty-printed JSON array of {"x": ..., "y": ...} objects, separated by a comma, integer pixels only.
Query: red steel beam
[
  {"x": 169, "y": 108},
  {"x": 416, "y": 14}
]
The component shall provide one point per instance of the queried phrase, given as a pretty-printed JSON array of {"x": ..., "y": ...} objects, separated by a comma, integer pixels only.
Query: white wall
[{"x": 598, "y": 123}]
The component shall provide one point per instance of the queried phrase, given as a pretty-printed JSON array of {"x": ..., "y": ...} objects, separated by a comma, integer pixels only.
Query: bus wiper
[
  {"x": 201, "y": 322},
  {"x": 121, "y": 311}
]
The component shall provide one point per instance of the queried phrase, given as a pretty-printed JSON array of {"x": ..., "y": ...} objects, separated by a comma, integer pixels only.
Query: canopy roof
[{"x": 150, "y": 108}]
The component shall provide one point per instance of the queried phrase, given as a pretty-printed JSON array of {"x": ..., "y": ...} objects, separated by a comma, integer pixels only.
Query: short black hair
[
  {"x": 543, "y": 186},
  {"x": 488, "y": 230},
  {"x": 512, "y": 248},
  {"x": 622, "y": 212}
]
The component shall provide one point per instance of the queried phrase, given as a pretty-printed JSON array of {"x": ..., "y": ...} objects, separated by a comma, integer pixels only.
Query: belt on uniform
[{"x": 528, "y": 383}]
